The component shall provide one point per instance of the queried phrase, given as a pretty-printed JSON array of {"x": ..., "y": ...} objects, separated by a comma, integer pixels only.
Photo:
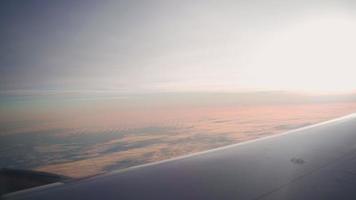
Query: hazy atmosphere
[
  {"x": 89, "y": 87},
  {"x": 160, "y": 46}
]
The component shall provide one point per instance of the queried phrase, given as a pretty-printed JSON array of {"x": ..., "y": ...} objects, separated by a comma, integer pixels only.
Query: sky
[{"x": 178, "y": 46}]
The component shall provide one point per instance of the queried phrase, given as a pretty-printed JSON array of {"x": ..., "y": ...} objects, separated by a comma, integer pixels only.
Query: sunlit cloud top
[{"x": 160, "y": 46}]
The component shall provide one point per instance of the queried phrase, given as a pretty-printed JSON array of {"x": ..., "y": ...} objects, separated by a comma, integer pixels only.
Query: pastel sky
[{"x": 160, "y": 46}]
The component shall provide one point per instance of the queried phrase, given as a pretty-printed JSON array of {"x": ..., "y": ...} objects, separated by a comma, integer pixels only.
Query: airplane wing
[{"x": 316, "y": 162}]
